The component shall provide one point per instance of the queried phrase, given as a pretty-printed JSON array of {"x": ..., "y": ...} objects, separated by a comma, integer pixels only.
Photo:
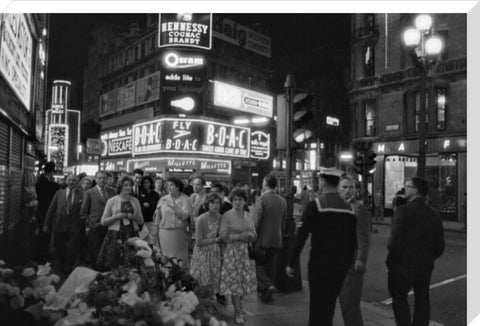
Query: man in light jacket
[
  {"x": 91, "y": 212},
  {"x": 351, "y": 292}
]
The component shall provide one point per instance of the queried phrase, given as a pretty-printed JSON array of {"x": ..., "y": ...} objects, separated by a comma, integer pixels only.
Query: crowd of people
[
  {"x": 85, "y": 220},
  {"x": 232, "y": 243}
]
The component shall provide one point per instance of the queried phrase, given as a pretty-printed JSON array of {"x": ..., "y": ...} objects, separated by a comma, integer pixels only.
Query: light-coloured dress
[
  {"x": 237, "y": 275},
  {"x": 173, "y": 227},
  {"x": 207, "y": 260}
]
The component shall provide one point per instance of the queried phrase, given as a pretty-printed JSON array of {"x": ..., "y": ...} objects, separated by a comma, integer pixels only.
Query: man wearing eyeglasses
[{"x": 416, "y": 241}]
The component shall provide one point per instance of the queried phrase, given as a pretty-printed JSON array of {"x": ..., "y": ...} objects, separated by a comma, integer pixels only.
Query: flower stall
[{"x": 147, "y": 289}]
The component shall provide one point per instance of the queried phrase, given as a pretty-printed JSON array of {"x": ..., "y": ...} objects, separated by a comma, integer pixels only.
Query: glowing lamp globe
[
  {"x": 423, "y": 22},
  {"x": 411, "y": 37},
  {"x": 433, "y": 45}
]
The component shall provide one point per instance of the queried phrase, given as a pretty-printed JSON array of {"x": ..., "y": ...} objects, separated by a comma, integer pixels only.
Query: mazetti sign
[
  {"x": 177, "y": 135},
  {"x": 188, "y": 30}
]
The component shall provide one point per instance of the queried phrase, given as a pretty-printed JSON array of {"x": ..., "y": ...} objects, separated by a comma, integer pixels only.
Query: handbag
[
  {"x": 251, "y": 251},
  {"x": 256, "y": 252}
]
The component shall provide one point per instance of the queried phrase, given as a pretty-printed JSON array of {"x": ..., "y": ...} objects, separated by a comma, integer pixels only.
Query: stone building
[{"x": 384, "y": 98}]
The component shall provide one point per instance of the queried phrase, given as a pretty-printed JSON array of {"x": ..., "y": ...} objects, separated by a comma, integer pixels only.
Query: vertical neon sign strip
[{"x": 58, "y": 144}]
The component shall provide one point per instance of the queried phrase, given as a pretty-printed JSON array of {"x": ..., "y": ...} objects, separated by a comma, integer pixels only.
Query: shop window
[
  {"x": 417, "y": 111},
  {"x": 440, "y": 172},
  {"x": 441, "y": 103},
  {"x": 369, "y": 61},
  {"x": 370, "y": 118}
]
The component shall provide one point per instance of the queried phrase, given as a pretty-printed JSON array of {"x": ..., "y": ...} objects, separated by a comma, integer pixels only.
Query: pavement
[{"x": 291, "y": 309}]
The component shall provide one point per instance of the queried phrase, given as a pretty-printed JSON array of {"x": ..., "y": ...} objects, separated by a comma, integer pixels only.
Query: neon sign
[
  {"x": 242, "y": 99},
  {"x": 174, "y": 60},
  {"x": 117, "y": 142},
  {"x": 203, "y": 164},
  {"x": 190, "y": 136},
  {"x": 260, "y": 145},
  {"x": 189, "y": 30},
  {"x": 57, "y": 150}
]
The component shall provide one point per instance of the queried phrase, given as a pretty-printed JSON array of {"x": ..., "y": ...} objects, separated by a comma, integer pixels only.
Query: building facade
[
  {"x": 384, "y": 98},
  {"x": 133, "y": 87},
  {"x": 23, "y": 61}
]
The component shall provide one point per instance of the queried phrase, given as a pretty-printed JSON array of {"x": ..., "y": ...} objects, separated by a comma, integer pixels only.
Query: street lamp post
[
  {"x": 289, "y": 95},
  {"x": 423, "y": 46}
]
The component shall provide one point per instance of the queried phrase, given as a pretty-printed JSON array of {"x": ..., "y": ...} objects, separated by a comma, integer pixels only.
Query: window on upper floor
[
  {"x": 370, "y": 118},
  {"x": 417, "y": 111},
  {"x": 140, "y": 50},
  {"x": 369, "y": 61},
  {"x": 441, "y": 105},
  {"x": 369, "y": 22},
  {"x": 443, "y": 35}
]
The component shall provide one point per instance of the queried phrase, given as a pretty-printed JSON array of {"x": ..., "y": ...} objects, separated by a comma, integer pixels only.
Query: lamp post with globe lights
[{"x": 425, "y": 47}]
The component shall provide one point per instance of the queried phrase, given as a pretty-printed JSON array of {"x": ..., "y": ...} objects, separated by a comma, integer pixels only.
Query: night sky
[{"x": 293, "y": 35}]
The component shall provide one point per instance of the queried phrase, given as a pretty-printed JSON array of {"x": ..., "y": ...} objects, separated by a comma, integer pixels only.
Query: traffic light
[
  {"x": 302, "y": 115},
  {"x": 370, "y": 161},
  {"x": 358, "y": 163}
]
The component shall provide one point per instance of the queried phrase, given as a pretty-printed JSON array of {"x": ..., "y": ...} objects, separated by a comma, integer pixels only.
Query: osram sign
[{"x": 176, "y": 60}]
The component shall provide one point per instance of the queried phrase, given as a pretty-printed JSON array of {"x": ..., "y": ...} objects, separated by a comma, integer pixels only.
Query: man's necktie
[{"x": 69, "y": 200}]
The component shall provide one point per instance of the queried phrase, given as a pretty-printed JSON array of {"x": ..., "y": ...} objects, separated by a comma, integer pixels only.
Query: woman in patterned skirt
[
  {"x": 206, "y": 257},
  {"x": 122, "y": 215},
  {"x": 237, "y": 229}
]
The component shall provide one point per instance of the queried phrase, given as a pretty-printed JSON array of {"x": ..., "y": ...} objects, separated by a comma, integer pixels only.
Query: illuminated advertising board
[
  {"x": 16, "y": 46},
  {"x": 116, "y": 142},
  {"x": 241, "y": 99},
  {"x": 260, "y": 145},
  {"x": 172, "y": 135},
  {"x": 183, "y": 91},
  {"x": 189, "y": 30},
  {"x": 148, "y": 88},
  {"x": 57, "y": 149},
  {"x": 204, "y": 165},
  {"x": 332, "y": 121},
  {"x": 107, "y": 103}
]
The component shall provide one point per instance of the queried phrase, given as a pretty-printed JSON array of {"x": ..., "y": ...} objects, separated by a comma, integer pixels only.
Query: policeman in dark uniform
[{"x": 332, "y": 223}]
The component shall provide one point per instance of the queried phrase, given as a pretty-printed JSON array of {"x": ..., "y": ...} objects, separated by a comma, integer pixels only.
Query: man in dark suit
[
  {"x": 137, "y": 179},
  {"x": 63, "y": 219},
  {"x": 271, "y": 211},
  {"x": 416, "y": 240},
  {"x": 332, "y": 223},
  {"x": 46, "y": 188},
  {"x": 91, "y": 212}
]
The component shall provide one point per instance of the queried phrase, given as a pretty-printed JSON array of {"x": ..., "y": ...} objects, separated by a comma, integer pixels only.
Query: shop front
[{"x": 445, "y": 172}]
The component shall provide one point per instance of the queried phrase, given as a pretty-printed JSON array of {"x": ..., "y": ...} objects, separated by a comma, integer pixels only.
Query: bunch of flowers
[
  {"x": 148, "y": 289},
  {"x": 26, "y": 288}
]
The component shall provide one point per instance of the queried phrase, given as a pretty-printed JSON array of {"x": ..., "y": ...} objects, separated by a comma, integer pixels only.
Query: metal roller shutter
[
  {"x": 4, "y": 142},
  {"x": 16, "y": 178}
]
